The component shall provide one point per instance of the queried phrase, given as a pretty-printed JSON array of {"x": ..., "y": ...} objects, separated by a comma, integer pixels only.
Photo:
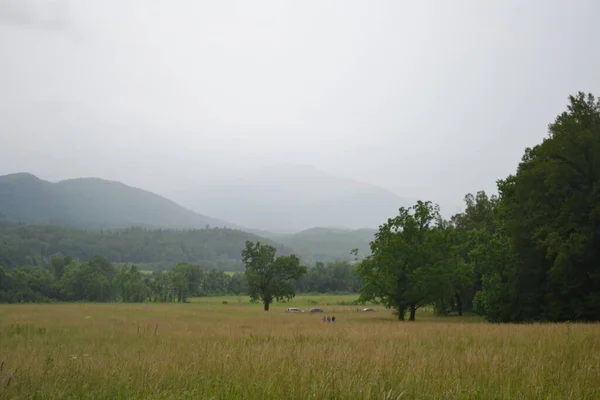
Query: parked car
[
  {"x": 368, "y": 309},
  {"x": 294, "y": 310},
  {"x": 316, "y": 310}
]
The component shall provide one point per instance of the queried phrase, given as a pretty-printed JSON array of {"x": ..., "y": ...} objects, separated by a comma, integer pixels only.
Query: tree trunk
[
  {"x": 401, "y": 315},
  {"x": 440, "y": 307},
  {"x": 413, "y": 311},
  {"x": 267, "y": 305},
  {"x": 459, "y": 304}
]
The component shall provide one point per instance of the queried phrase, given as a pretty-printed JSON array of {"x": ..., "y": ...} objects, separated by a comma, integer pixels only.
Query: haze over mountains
[
  {"x": 92, "y": 203},
  {"x": 289, "y": 198},
  {"x": 294, "y": 206},
  {"x": 324, "y": 244},
  {"x": 275, "y": 200}
]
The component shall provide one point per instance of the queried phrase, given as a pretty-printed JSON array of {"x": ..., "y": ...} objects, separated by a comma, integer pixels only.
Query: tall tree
[
  {"x": 551, "y": 215},
  {"x": 130, "y": 285},
  {"x": 452, "y": 278},
  {"x": 90, "y": 281},
  {"x": 270, "y": 278},
  {"x": 406, "y": 256},
  {"x": 473, "y": 229}
]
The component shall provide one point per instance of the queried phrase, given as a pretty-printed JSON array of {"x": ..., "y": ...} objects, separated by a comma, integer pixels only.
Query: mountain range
[
  {"x": 297, "y": 197},
  {"x": 92, "y": 203},
  {"x": 290, "y": 198}
]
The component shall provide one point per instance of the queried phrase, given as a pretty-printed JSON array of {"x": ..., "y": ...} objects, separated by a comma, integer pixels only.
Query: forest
[
  {"x": 529, "y": 253},
  {"x": 159, "y": 249},
  {"x": 532, "y": 253},
  {"x": 219, "y": 248},
  {"x": 97, "y": 280}
]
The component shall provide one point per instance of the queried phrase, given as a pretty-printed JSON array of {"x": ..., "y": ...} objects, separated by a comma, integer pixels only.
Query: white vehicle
[
  {"x": 293, "y": 310},
  {"x": 367, "y": 309}
]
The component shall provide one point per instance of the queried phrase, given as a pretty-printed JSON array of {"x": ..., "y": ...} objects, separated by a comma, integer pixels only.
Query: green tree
[
  {"x": 450, "y": 277},
  {"x": 403, "y": 271},
  {"x": 473, "y": 229},
  {"x": 90, "y": 281},
  {"x": 215, "y": 283},
  {"x": 180, "y": 285},
  {"x": 58, "y": 263},
  {"x": 550, "y": 213},
  {"x": 193, "y": 277},
  {"x": 130, "y": 285},
  {"x": 270, "y": 278},
  {"x": 238, "y": 284}
]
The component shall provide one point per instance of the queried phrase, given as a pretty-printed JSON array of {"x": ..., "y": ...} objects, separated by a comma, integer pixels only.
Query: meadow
[{"x": 210, "y": 350}]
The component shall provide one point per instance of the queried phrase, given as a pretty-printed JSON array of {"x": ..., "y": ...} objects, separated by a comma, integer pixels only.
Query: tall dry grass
[{"x": 203, "y": 351}]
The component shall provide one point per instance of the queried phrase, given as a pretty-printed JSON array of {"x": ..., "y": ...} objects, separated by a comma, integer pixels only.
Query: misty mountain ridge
[
  {"x": 92, "y": 203},
  {"x": 287, "y": 198},
  {"x": 325, "y": 244}
]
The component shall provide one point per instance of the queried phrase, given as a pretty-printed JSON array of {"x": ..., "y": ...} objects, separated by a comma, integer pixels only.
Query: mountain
[
  {"x": 291, "y": 198},
  {"x": 92, "y": 203},
  {"x": 327, "y": 244},
  {"x": 65, "y": 216}
]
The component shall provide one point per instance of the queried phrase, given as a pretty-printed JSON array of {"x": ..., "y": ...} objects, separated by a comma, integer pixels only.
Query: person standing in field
[
  {"x": 328, "y": 319},
  {"x": 333, "y": 319},
  {"x": 324, "y": 319}
]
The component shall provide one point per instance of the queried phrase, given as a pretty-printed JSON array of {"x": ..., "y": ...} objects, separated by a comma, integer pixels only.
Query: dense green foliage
[
  {"x": 533, "y": 253},
  {"x": 92, "y": 203},
  {"x": 549, "y": 221},
  {"x": 411, "y": 261},
  {"x": 98, "y": 280},
  {"x": 30, "y": 245},
  {"x": 270, "y": 278},
  {"x": 67, "y": 279},
  {"x": 337, "y": 276}
]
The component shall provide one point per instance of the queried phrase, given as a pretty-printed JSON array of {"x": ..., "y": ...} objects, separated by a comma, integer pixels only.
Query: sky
[{"x": 430, "y": 99}]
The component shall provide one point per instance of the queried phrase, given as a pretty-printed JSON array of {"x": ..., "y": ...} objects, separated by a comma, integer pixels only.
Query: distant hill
[
  {"x": 292, "y": 198},
  {"x": 92, "y": 203},
  {"x": 220, "y": 248},
  {"x": 326, "y": 244},
  {"x": 87, "y": 216}
]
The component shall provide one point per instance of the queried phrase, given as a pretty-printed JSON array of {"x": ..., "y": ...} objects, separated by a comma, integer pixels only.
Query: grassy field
[
  {"x": 211, "y": 350},
  {"x": 301, "y": 301}
]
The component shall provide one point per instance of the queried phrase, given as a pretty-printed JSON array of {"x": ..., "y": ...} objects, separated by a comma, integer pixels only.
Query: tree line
[
  {"x": 531, "y": 253},
  {"x": 98, "y": 280},
  {"x": 32, "y": 245}
]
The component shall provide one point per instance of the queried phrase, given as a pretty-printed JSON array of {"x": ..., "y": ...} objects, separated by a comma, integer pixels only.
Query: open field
[
  {"x": 208, "y": 350},
  {"x": 326, "y": 301}
]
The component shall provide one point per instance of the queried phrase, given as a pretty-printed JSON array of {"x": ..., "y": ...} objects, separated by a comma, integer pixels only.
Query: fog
[{"x": 430, "y": 99}]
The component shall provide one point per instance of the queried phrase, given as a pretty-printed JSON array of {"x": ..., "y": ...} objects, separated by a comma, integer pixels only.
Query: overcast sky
[{"x": 431, "y": 99}]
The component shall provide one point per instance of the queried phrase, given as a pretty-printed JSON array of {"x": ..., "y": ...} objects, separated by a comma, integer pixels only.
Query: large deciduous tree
[
  {"x": 270, "y": 278},
  {"x": 408, "y": 257}
]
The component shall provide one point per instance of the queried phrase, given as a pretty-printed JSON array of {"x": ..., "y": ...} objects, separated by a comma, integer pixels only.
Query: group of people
[{"x": 329, "y": 319}]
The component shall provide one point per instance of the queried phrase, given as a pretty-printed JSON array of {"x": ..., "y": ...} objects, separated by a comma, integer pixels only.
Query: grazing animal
[{"x": 225, "y": 302}]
